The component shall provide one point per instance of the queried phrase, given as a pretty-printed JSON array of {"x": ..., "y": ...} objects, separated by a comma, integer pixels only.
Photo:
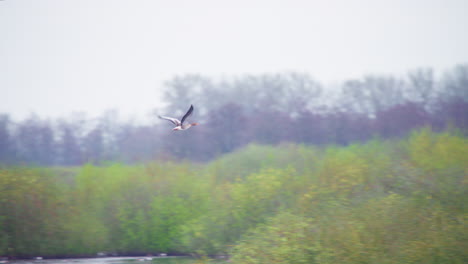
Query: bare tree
[
  {"x": 35, "y": 141},
  {"x": 302, "y": 93},
  {"x": 422, "y": 87},
  {"x": 93, "y": 146},
  {"x": 372, "y": 94},
  {"x": 181, "y": 91},
  {"x": 227, "y": 129},
  {"x": 69, "y": 144},
  {"x": 455, "y": 83},
  {"x": 7, "y": 150}
]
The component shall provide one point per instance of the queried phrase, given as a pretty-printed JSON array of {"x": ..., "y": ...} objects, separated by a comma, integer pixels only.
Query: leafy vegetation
[{"x": 385, "y": 201}]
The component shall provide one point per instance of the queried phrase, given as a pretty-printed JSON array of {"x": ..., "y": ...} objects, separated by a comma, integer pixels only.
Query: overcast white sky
[{"x": 60, "y": 56}]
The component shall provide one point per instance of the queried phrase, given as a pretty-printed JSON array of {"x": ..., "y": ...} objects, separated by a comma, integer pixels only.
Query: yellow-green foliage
[
  {"x": 283, "y": 239},
  {"x": 395, "y": 202},
  {"x": 431, "y": 151},
  {"x": 399, "y": 201},
  {"x": 392, "y": 229},
  {"x": 342, "y": 170},
  {"x": 254, "y": 158},
  {"x": 31, "y": 211},
  {"x": 236, "y": 207}
]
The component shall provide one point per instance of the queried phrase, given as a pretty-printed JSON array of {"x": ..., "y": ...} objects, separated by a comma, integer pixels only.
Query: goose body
[{"x": 179, "y": 124}]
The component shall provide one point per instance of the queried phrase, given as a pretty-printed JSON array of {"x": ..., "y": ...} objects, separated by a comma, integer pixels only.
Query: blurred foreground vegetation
[{"x": 384, "y": 201}]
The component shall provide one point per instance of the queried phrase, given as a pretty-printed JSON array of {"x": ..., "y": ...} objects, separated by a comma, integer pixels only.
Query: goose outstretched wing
[
  {"x": 189, "y": 112},
  {"x": 175, "y": 121}
]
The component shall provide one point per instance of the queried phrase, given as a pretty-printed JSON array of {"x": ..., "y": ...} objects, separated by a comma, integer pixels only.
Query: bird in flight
[{"x": 179, "y": 124}]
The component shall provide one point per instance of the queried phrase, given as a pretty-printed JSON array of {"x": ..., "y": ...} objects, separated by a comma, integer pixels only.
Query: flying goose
[{"x": 180, "y": 123}]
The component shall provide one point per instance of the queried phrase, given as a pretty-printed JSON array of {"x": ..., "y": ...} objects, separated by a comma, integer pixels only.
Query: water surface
[{"x": 113, "y": 260}]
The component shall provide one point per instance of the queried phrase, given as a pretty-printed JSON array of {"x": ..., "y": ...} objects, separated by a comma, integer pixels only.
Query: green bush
[{"x": 399, "y": 201}]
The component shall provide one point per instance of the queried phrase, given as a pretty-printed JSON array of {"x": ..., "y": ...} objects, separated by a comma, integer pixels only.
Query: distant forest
[{"x": 233, "y": 112}]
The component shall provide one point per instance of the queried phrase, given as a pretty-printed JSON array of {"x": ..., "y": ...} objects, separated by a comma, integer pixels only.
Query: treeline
[
  {"x": 385, "y": 201},
  {"x": 233, "y": 112}
]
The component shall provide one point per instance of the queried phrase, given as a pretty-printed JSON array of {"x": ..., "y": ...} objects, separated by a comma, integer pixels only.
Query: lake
[{"x": 117, "y": 260}]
